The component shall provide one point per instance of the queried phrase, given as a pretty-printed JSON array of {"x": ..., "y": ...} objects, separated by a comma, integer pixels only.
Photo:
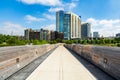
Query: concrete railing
[
  {"x": 106, "y": 58},
  {"x": 13, "y": 59}
]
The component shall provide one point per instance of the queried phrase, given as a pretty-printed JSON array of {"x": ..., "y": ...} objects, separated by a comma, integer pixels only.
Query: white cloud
[
  {"x": 50, "y": 27},
  {"x": 50, "y": 17},
  {"x": 66, "y": 6},
  {"x": 70, "y": 6},
  {"x": 105, "y": 27},
  {"x": 30, "y": 19},
  {"x": 42, "y": 2},
  {"x": 92, "y": 21},
  {"x": 11, "y": 28},
  {"x": 55, "y": 4},
  {"x": 55, "y": 9}
]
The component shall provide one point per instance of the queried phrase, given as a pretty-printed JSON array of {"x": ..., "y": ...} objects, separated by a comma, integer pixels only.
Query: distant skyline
[{"x": 17, "y": 15}]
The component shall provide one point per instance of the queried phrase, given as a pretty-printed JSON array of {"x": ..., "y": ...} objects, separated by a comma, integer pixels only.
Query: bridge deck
[{"x": 63, "y": 65}]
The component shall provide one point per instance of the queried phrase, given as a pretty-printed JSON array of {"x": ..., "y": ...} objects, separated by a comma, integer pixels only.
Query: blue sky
[{"x": 17, "y": 15}]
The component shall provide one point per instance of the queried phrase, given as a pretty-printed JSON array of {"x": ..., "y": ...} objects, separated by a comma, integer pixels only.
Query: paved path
[{"x": 62, "y": 65}]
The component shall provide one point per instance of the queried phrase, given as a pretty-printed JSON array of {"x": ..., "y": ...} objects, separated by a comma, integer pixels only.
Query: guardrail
[
  {"x": 12, "y": 60},
  {"x": 106, "y": 58}
]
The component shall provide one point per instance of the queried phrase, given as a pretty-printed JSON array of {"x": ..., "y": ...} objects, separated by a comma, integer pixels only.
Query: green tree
[
  {"x": 96, "y": 41},
  {"x": 69, "y": 41},
  {"x": 35, "y": 42},
  {"x": 117, "y": 40},
  {"x": 59, "y": 40},
  {"x": 43, "y": 42},
  {"x": 12, "y": 41},
  {"x": 84, "y": 42},
  {"x": 93, "y": 41},
  {"x": 118, "y": 44},
  {"x": 108, "y": 41},
  {"x": 89, "y": 41},
  {"x": 53, "y": 42},
  {"x": 80, "y": 41},
  {"x": 102, "y": 41},
  {"x": 20, "y": 42}
]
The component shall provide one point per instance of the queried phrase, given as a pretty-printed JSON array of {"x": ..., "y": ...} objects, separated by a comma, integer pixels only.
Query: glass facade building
[
  {"x": 69, "y": 24},
  {"x": 95, "y": 35},
  {"x": 59, "y": 21},
  {"x": 86, "y": 31},
  {"x": 66, "y": 26},
  {"x": 118, "y": 35}
]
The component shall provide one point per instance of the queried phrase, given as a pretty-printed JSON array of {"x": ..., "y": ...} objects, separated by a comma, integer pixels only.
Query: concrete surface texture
[
  {"x": 63, "y": 65},
  {"x": 14, "y": 58},
  {"x": 106, "y": 58},
  {"x": 23, "y": 73}
]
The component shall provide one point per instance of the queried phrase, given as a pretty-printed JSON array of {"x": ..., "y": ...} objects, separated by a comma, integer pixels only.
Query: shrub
[
  {"x": 118, "y": 45},
  {"x": 69, "y": 42}
]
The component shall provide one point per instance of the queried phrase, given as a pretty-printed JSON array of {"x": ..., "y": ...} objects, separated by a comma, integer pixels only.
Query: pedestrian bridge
[
  {"x": 51, "y": 62},
  {"x": 63, "y": 65}
]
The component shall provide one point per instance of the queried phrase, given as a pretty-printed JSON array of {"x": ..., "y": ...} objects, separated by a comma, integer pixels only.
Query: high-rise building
[
  {"x": 32, "y": 34},
  {"x": 26, "y": 34},
  {"x": 36, "y": 34},
  {"x": 86, "y": 31},
  {"x": 59, "y": 21},
  {"x": 59, "y": 35},
  {"x": 48, "y": 35},
  {"x": 45, "y": 34},
  {"x": 118, "y": 35},
  {"x": 42, "y": 34},
  {"x": 95, "y": 35},
  {"x": 68, "y": 23}
]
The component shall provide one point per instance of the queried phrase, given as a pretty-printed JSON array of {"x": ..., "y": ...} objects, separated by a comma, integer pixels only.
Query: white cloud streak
[
  {"x": 105, "y": 27},
  {"x": 50, "y": 27},
  {"x": 42, "y": 2},
  {"x": 55, "y": 5},
  {"x": 55, "y": 9},
  {"x": 64, "y": 6},
  {"x": 71, "y": 6},
  {"x": 50, "y": 17},
  {"x": 31, "y": 18},
  {"x": 11, "y": 28}
]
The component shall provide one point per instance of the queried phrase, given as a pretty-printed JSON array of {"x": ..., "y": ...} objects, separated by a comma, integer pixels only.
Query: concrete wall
[
  {"x": 106, "y": 58},
  {"x": 13, "y": 59}
]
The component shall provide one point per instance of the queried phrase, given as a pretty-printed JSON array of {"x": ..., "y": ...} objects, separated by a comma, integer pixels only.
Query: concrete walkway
[{"x": 62, "y": 65}]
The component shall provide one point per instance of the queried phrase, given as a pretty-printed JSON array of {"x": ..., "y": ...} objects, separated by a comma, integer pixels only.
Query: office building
[
  {"x": 42, "y": 34},
  {"x": 48, "y": 35},
  {"x": 96, "y": 35},
  {"x": 69, "y": 24},
  {"x": 59, "y": 35},
  {"x": 86, "y": 31},
  {"x": 45, "y": 34},
  {"x": 59, "y": 21},
  {"x": 52, "y": 35},
  {"x": 118, "y": 35},
  {"x": 37, "y": 34},
  {"x": 26, "y": 34},
  {"x": 32, "y": 34}
]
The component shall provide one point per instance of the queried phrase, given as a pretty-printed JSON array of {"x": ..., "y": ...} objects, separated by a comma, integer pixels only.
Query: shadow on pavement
[{"x": 94, "y": 70}]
